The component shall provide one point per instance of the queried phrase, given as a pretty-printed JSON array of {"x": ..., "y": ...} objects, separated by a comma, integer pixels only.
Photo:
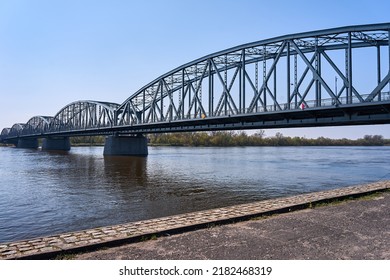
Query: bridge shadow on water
[{"x": 126, "y": 169}]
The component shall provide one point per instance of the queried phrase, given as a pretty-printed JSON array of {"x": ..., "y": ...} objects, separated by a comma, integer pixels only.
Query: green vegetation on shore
[
  {"x": 87, "y": 141},
  {"x": 241, "y": 138},
  {"x": 237, "y": 138}
]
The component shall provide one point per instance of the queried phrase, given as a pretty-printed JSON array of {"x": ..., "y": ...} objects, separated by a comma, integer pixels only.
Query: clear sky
[{"x": 54, "y": 52}]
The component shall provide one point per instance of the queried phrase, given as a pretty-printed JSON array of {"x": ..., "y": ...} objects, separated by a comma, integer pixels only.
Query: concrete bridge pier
[
  {"x": 11, "y": 142},
  {"x": 126, "y": 146},
  {"x": 27, "y": 143},
  {"x": 56, "y": 144}
]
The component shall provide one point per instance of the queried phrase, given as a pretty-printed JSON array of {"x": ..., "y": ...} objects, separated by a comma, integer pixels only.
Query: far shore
[{"x": 236, "y": 139}]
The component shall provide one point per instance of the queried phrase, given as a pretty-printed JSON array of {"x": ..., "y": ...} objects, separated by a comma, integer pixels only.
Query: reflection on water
[
  {"x": 43, "y": 193},
  {"x": 123, "y": 171}
]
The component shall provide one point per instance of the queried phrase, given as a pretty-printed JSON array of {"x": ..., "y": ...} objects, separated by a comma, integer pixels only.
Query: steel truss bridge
[{"x": 330, "y": 77}]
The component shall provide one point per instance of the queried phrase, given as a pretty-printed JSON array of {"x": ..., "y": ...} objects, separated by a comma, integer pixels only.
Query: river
[{"x": 43, "y": 193}]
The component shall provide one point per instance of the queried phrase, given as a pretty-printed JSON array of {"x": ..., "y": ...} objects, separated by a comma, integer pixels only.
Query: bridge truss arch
[
  {"x": 4, "y": 133},
  {"x": 306, "y": 70},
  {"x": 36, "y": 125},
  {"x": 16, "y": 130},
  {"x": 83, "y": 115}
]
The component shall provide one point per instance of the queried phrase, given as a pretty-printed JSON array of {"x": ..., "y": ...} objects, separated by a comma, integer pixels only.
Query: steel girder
[
  {"x": 279, "y": 74},
  {"x": 83, "y": 115}
]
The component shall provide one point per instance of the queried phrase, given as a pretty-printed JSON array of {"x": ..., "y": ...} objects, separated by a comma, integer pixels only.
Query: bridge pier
[
  {"x": 56, "y": 144},
  {"x": 126, "y": 146},
  {"x": 11, "y": 142},
  {"x": 31, "y": 143}
]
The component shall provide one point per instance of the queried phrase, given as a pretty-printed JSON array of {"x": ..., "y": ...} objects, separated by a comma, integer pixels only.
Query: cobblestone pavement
[{"x": 49, "y": 246}]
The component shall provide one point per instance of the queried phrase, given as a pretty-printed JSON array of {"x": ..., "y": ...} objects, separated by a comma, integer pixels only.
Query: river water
[{"x": 43, "y": 193}]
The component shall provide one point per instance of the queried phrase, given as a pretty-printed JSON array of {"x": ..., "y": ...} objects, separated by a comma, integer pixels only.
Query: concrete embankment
[{"x": 372, "y": 227}]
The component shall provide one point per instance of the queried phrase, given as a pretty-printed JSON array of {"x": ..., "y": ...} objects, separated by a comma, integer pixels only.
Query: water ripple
[{"x": 44, "y": 193}]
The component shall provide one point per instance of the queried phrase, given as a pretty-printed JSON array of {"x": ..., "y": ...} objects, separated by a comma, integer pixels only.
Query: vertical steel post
[
  {"x": 196, "y": 91},
  {"x": 143, "y": 106},
  {"x": 182, "y": 94},
  {"x": 243, "y": 81},
  {"x": 225, "y": 86},
  {"x": 86, "y": 116},
  {"x": 189, "y": 98},
  {"x": 389, "y": 56},
  {"x": 127, "y": 113},
  {"x": 349, "y": 99},
  {"x": 115, "y": 117},
  {"x": 378, "y": 62},
  {"x": 265, "y": 78},
  {"x": 200, "y": 94},
  {"x": 161, "y": 101},
  {"x": 346, "y": 74},
  {"x": 295, "y": 93},
  {"x": 257, "y": 83},
  {"x": 288, "y": 76},
  {"x": 317, "y": 82},
  {"x": 171, "y": 101},
  {"x": 275, "y": 80},
  {"x": 80, "y": 110},
  {"x": 211, "y": 90},
  {"x": 239, "y": 88}
]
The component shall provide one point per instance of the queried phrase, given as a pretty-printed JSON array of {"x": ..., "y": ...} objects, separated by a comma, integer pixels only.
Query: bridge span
[{"x": 329, "y": 77}]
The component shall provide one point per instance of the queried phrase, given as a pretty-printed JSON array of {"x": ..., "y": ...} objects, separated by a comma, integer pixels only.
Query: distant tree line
[
  {"x": 238, "y": 138},
  {"x": 87, "y": 140},
  {"x": 241, "y": 138}
]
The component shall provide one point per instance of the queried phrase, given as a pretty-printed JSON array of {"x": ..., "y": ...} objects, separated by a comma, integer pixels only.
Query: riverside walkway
[{"x": 103, "y": 237}]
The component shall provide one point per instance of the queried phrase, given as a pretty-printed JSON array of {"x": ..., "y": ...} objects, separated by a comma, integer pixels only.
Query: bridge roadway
[{"x": 280, "y": 82}]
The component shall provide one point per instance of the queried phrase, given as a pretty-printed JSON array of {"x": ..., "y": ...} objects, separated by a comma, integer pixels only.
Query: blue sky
[{"x": 55, "y": 52}]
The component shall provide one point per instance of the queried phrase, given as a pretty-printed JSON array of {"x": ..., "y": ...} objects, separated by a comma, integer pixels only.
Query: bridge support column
[
  {"x": 31, "y": 143},
  {"x": 12, "y": 142},
  {"x": 126, "y": 146},
  {"x": 56, "y": 144}
]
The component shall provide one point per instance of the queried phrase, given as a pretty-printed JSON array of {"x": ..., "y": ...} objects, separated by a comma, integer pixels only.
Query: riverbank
[
  {"x": 355, "y": 229},
  {"x": 94, "y": 239},
  {"x": 258, "y": 139}
]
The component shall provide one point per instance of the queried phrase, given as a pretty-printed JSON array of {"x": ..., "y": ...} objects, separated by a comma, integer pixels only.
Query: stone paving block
[
  {"x": 71, "y": 239},
  {"x": 31, "y": 252},
  {"x": 46, "y": 249},
  {"x": 81, "y": 243},
  {"x": 24, "y": 249},
  {"x": 9, "y": 252},
  {"x": 65, "y": 235}
]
